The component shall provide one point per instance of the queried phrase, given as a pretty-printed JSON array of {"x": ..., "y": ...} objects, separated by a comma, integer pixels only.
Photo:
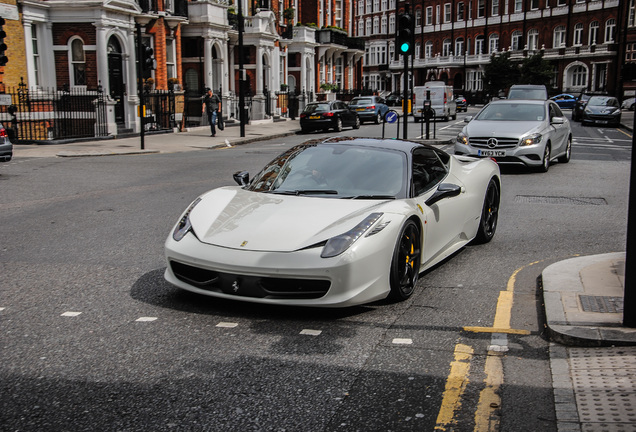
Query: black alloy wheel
[
  {"x": 405, "y": 266},
  {"x": 489, "y": 214}
]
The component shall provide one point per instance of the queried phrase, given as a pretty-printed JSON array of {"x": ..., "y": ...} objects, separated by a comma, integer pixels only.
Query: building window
[
  {"x": 495, "y": 7},
  {"x": 481, "y": 8},
  {"x": 391, "y": 52},
  {"x": 534, "y": 4},
  {"x": 516, "y": 40},
  {"x": 418, "y": 18},
  {"x": 339, "y": 69},
  {"x": 558, "y": 40},
  {"x": 578, "y": 34},
  {"x": 360, "y": 7},
  {"x": 593, "y": 32},
  {"x": 391, "y": 4},
  {"x": 78, "y": 63},
  {"x": 428, "y": 49},
  {"x": 392, "y": 23},
  {"x": 446, "y": 47},
  {"x": 338, "y": 14},
  {"x": 36, "y": 54},
  {"x": 429, "y": 15},
  {"x": 368, "y": 27},
  {"x": 460, "y": 11},
  {"x": 383, "y": 25},
  {"x": 361, "y": 28},
  {"x": 578, "y": 77},
  {"x": 493, "y": 43},
  {"x": 418, "y": 49},
  {"x": 518, "y": 6},
  {"x": 631, "y": 14},
  {"x": 171, "y": 69},
  {"x": 474, "y": 81},
  {"x": 376, "y": 5},
  {"x": 384, "y": 5},
  {"x": 369, "y": 7},
  {"x": 610, "y": 30},
  {"x": 533, "y": 40},
  {"x": 479, "y": 45},
  {"x": 459, "y": 46},
  {"x": 447, "y": 12},
  {"x": 376, "y": 25}
]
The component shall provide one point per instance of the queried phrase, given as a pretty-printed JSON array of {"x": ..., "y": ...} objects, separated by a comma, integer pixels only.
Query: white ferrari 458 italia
[{"x": 334, "y": 223}]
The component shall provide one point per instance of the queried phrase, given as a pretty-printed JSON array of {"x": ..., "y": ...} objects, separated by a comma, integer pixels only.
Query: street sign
[{"x": 391, "y": 116}]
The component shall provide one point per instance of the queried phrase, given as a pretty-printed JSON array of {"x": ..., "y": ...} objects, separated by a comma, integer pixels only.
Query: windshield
[
  {"x": 320, "y": 107},
  {"x": 512, "y": 112},
  {"x": 338, "y": 171},
  {"x": 361, "y": 101},
  {"x": 527, "y": 93},
  {"x": 603, "y": 101}
]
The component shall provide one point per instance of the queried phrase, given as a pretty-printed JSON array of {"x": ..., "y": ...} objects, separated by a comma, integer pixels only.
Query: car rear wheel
[
  {"x": 405, "y": 266},
  {"x": 489, "y": 214},
  {"x": 378, "y": 118},
  {"x": 568, "y": 152},
  {"x": 338, "y": 127},
  {"x": 356, "y": 125},
  {"x": 545, "y": 166}
]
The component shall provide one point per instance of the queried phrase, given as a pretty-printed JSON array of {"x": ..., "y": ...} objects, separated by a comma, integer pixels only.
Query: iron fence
[
  {"x": 51, "y": 114},
  {"x": 160, "y": 110}
]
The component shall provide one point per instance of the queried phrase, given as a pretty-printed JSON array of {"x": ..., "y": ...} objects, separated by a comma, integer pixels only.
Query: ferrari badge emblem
[{"x": 244, "y": 243}]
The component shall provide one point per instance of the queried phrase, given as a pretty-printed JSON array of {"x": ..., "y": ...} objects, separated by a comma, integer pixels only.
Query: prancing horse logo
[
  {"x": 235, "y": 286},
  {"x": 244, "y": 243}
]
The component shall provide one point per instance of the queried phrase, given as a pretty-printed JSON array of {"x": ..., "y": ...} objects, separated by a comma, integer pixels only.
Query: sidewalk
[{"x": 196, "y": 138}]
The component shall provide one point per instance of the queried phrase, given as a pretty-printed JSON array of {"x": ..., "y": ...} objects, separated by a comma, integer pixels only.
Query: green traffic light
[{"x": 404, "y": 47}]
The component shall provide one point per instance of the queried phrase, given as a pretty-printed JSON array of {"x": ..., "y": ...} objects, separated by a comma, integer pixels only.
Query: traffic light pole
[
  {"x": 405, "y": 134},
  {"x": 140, "y": 84}
]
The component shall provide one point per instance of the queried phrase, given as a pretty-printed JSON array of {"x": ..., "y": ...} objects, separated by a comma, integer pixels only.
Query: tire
[
  {"x": 378, "y": 118},
  {"x": 356, "y": 125},
  {"x": 405, "y": 265},
  {"x": 489, "y": 214},
  {"x": 338, "y": 127},
  {"x": 545, "y": 166},
  {"x": 568, "y": 152}
]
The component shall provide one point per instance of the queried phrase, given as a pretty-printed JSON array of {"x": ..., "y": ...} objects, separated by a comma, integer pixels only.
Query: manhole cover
[
  {"x": 537, "y": 199},
  {"x": 601, "y": 304}
]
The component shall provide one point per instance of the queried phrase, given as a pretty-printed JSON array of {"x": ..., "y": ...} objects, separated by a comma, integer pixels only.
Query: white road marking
[
  {"x": 71, "y": 314},
  {"x": 146, "y": 319},
  {"x": 403, "y": 341},
  {"x": 227, "y": 325},
  {"x": 311, "y": 332}
]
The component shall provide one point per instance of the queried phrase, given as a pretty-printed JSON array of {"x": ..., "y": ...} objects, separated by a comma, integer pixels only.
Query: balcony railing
[
  {"x": 338, "y": 37},
  {"x": 174, "y": 7}
]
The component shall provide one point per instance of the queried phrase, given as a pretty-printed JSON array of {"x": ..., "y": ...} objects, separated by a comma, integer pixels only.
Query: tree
[
  {"x": 536, "y": 70},
  {"x": 500, "y": 73}
]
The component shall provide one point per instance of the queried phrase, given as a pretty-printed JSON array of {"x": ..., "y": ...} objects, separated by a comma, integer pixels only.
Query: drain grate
[
  {"x": 602, "y": 304},
  {"x": 537, "y": 199}
]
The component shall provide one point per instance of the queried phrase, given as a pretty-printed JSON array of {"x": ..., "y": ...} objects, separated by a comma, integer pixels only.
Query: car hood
[
  {"x": 502, "y": 129},
  {"x": 599, "y": 109},
  {"x": 235, "y": 218}
]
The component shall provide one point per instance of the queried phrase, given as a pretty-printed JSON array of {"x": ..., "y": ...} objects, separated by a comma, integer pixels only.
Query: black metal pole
[
  {"x": 629, "y": 300},
  {"x": 241, "y": 29},
  {"x": 140, "y": 84},
  {"x": 405, "y": 133}
]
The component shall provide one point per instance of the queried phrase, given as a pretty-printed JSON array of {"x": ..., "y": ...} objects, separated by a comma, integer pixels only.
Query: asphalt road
[{"x": 93, "y": 338}]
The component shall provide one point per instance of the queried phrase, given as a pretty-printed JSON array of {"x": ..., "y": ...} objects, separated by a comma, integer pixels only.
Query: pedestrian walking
[{"x": 212, "y": 107}]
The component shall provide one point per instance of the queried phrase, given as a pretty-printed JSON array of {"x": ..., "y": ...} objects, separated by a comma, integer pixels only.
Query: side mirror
[
  {"x": 557, "y": 120},
  {"x": 468, "y": 119},
  {"x": 444, "y": 190},
  {"x": 242, "y": 178}
]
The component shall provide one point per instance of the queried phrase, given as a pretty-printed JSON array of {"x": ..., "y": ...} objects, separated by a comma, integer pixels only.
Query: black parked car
[
  {"x": 462, "y": 104},
  {"x": 328, "y": 115},
  {"x": 394, "y": 99},
  {"x": 602, "y": 110},
  {"x": 581, "y": 101}
]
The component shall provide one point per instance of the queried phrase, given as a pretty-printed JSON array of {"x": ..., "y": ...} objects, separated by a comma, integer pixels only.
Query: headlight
[
  {"x": 462, "y": 138},
  {"x": 184, "y": 225},
  {"x": 337, "y": 245},
  {"x": 531, "y": 140}
]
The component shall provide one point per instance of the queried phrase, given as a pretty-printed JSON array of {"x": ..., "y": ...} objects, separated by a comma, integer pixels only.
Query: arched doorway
[{"x": 116, "y": 78}]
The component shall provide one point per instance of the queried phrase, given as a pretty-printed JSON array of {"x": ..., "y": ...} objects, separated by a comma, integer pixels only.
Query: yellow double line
[{"x": 486, "y": 415}]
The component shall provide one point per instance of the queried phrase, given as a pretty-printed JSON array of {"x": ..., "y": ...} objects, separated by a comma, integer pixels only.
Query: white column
[
  {"x": 28, "y": 51},
  {"x": 131, "y": 49},
  {"x": 303, "y": 73},
  {"x": 224, "y": 69},
  {"x": 259, "y": 71},
  {"x": 102, "y": 57},
  {"x": 232, "y": 75},
  {"x": 207, "y": 61}
]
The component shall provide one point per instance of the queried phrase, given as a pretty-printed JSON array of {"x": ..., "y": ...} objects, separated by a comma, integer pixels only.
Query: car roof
[
  {"x": 392, "y": 144},
  {"x": 518, "y": 101}
]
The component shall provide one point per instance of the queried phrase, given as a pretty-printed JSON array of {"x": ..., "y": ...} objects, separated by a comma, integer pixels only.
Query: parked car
[
  {"x": 369, "y": 108},
  {"x": 328, "y": 115},
  {"x": 335, "y": 222},
  {"x": 629, "y": 104},
  {"x": 602, "y": 110},
  {"x": 6, "y": 146},
  {"x": 528, "y": 91},
  {"x": 394, "y": 99},
  {"x": 581, "y": 101},
  {"x": 564, "y": 100},
  {"x": 462, "y": 104},
  {"x": 522, "y": 132}
]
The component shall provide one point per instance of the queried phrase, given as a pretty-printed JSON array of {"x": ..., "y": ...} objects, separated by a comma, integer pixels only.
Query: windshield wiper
[
  {"x": 378, "y": 197},
  {"x": 306, "y": 192}
]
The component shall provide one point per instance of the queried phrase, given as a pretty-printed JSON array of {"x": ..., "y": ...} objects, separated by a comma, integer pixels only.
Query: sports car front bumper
[{"x": 302, "y": 278}]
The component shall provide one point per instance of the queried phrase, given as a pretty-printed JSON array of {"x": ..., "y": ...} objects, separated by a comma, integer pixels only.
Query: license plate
[
  {"x": 494, "y": 153},
  {"x": 314, "y": 117},
  {"x": 601, "y": 121},
  {"x": 360, "y": 109}
]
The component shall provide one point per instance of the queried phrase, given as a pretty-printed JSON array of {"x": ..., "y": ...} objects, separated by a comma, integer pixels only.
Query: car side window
[
  {"x": 555, "y": 111},
  {"x": 428, "y": 170}
]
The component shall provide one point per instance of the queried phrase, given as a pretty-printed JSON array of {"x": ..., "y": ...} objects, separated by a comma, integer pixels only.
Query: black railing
[
  {"x": 152, "y": 6},
  {"x": 53, "y": 114},
  {"x": 160, "y": 110}
]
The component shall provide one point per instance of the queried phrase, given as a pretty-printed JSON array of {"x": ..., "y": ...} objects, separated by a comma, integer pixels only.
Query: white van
[{"x": 442, "y": 100}]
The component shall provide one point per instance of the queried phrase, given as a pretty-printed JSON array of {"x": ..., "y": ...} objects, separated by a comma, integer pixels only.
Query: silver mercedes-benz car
[{"x": 523, "y": 132}]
